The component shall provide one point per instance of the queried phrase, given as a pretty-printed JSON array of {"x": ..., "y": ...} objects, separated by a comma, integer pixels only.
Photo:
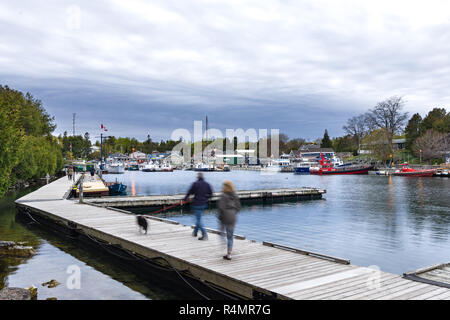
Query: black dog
[{"x": 142, "y": 222}]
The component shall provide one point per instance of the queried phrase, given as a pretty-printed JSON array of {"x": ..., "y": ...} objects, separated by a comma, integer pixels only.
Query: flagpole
[{"x": 101, "y": 151}]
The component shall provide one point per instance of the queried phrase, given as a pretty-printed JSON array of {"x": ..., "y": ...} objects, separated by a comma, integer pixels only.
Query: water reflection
[{"x": 101, "y": 276}]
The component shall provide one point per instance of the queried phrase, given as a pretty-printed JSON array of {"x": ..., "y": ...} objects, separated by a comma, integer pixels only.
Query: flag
[{"x": 103, "y": 127}]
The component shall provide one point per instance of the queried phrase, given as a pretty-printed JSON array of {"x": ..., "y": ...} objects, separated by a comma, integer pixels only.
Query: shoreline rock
[
  {"x": 15, "y": 294},
  {"x": 15, "y": 250}
]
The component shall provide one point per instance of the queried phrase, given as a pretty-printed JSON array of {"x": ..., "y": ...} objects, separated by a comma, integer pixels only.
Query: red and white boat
[
  {"x": 409, "y": 172},
  {"x": 326, "y": 167}
]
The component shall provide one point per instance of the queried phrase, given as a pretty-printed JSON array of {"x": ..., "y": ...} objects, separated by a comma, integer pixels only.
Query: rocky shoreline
[{"x": 15, "y": 250}]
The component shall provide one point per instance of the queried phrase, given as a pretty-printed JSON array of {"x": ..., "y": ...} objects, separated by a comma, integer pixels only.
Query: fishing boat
[
  {"x": 303, "y": 167},
  {"x": 149, "y": 167},
  {"x": 133, "y": 167},
  {"x": 277, "y": 165},
  {"x": 115, "y": 168},
  {"x": 165, "y": 167},
  {"x": 405, "y": 171},
  {"x": 203, "y": 167},
  {"x": 116, "y": 188},
  {"x": 441, "y": 173},
  {"x": 327, "y": 167}
]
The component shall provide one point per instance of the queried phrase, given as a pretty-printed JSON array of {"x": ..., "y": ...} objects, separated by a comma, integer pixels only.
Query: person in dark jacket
[
  {"x": 202, "y": 192},
  {"x": 228, "y": 205},
  {"x": 92, "y": 171}
]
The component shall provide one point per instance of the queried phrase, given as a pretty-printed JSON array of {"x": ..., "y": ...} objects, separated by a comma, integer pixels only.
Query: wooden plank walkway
[
  {"x": 438, "y": 275},
  {"x": 280, "y": 272}
]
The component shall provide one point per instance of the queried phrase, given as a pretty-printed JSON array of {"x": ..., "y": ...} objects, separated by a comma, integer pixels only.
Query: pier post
[{"x": 81, "y": 189}]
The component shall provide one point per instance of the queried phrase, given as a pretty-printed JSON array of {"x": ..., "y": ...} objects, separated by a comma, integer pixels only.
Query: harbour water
[{"x": 398, "y": 224}]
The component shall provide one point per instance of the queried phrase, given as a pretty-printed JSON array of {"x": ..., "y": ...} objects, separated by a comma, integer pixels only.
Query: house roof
[{"x": 324, "y": 150}]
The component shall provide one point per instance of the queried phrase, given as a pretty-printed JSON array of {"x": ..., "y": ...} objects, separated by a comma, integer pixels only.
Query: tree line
[
  {"x": 28, "y": 150},
  {"x": 376, "y": 129}
]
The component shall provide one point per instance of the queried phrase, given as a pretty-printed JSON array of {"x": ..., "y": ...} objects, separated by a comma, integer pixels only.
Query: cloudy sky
[{"x": 153, "y": 66}]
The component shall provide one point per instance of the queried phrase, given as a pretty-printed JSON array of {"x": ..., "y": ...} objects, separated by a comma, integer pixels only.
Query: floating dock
[
  {"x": 438, "y": 275},
  {"x": 265, "y": 196},
  {"x": 257, "y": 270}
]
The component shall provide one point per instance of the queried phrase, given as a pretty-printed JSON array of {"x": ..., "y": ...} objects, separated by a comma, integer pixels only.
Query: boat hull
[
  {"x": 116, "y": 170},
  {"x": 343, "y": 170},
  {"x": 117, "y": 189},
  {"x": 301, "y": 170},
  {"x": 414, "y": 174}
]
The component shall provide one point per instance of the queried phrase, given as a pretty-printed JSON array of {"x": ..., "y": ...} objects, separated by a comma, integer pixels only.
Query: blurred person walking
[
  {"x": 70, "y": 173},
  {"x": 228, "y": 205},
  {"x": 202, "y": 191}
]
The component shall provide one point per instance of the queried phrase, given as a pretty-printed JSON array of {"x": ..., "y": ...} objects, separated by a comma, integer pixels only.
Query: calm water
[
  {"x": 399, "y": 224},
  {"x": 101, "y": 276}
]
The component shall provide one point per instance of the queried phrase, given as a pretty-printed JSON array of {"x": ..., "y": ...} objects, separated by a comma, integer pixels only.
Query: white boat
[
  {"x": 115, "y": 168},
  {"x": 201, "y": 166},
  {"x": 165, "y": 167},
  {"x": 275, "y": 166},
  {"x": 149, "y": 167}
]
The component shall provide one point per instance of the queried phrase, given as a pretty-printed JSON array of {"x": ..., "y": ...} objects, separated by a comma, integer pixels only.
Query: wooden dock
[
  {"x": 258, "y": 270},
  {"x": 438, "y": 275},
  {"x": 253, "y": 196}
]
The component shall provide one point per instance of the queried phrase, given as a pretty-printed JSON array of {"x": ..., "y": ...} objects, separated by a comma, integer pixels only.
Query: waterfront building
[
  {"x": 175, "y": 159},
  {"x": 315, "y": 153}
]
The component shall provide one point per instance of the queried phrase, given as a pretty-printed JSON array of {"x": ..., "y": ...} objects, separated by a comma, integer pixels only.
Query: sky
[{"x": 150, "y": 67}]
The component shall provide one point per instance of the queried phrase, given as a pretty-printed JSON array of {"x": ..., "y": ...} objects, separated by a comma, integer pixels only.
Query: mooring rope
[{"x": 164, "y": 209}]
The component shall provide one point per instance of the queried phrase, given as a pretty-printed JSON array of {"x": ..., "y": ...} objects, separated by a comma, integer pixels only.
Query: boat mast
[{"x": 207, "y": 160}]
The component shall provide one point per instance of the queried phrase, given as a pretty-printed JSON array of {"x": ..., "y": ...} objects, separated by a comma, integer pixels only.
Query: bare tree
[
  {"x": 358, "y": 127},
  {"x": 431, "y": 144},
  {"x": 387, "y": 115}
]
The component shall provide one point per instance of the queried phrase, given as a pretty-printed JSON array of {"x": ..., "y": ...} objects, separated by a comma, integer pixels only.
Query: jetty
[
  {"x": 257, "y": 270},
  {"x": 265, "y": 196}
]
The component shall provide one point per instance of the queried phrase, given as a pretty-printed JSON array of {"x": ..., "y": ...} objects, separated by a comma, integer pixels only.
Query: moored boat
[
  {"x": 203, "y": 167},
  {"x": 115, "y": 168},
  {"x": 133, "y": 167},
  {"x": 405, "y": 171},
  {"x": 165, "y": 167},
  {"x": 326, "y": 167},
  {"x": 304, "y": 167},
  {"x": 117, "y": 189},
  {"x": 149, "y": 167},
  {"x": 441, "y": 173}
]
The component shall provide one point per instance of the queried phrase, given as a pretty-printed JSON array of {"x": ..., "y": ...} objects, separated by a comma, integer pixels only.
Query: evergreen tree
[
  {"x": 432, "y": 119},
  {"x": 412, "y": 130},
  {"x": 326, "y": 142},
  {"x": 27, "y": 148}
]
